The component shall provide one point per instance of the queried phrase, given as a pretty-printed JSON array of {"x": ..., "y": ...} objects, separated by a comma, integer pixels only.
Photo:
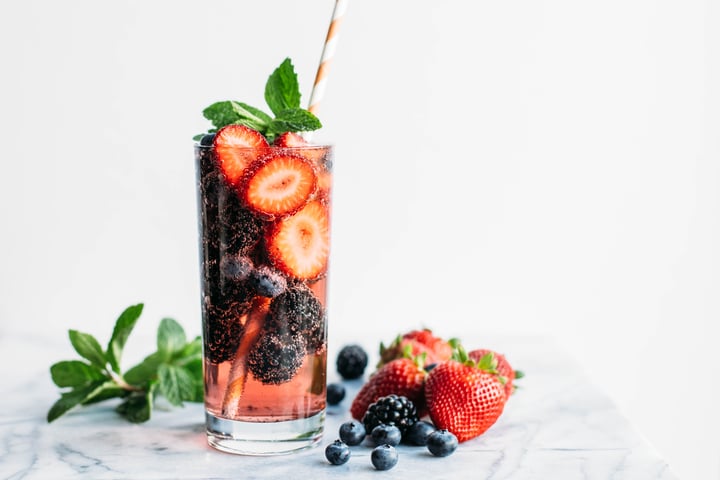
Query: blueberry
[
  {"x": 351, "y": 362},
  {"x": 236, "y": 267},
  {"x": 337, "y": 453},
  {"x": 442, "y": 443},
  {"x": 384, "y": 457},
  {"x": 386, "y": 434},
  {"x": 335, "y": 393},
  {"x": 352, "y": 432},
  {"x": 430, "y": 367},
  {"x": 418, "y": 433},
  {"x": 207, "y": 139},
  {"x": 267, "y": 282}
]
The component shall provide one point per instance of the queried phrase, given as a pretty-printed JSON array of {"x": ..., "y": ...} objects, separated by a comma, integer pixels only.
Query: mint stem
[{"x": 120, "y": 381}]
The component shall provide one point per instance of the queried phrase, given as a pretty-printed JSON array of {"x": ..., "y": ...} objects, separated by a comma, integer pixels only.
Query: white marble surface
[{"x": 557, "y": 426}]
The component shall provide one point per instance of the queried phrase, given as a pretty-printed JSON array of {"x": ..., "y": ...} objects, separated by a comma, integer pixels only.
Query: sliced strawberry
[
  {"x": 290, "y": 139},
  {"x": 278, "y": 184},
  {"x": 236, "y": 146},
  {"x": 312, "y": 152},
  {"x": 299, "y": 245},
  {"x": 324, "y": 185}
]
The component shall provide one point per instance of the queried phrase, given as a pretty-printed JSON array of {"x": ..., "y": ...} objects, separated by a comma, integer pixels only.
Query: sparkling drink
[{"x": 264, "y": 245}]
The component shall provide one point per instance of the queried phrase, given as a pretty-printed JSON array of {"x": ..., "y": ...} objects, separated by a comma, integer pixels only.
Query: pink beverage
[{"x": 264, "y": 238}]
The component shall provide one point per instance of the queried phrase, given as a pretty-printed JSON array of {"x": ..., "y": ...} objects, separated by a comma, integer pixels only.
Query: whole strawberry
[
  {"x": 464, "y": 396},
  {"x": 501, "y": 365},
  {"x": 402, "y": 377},
  {"x": 416, "y": 343}
]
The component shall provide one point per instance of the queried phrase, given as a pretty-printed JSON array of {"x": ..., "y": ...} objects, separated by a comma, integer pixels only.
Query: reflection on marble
[{"x": 558, "y": 426}]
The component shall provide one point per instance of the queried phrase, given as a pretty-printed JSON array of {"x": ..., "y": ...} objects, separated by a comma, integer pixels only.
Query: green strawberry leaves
[
  {"x": 488, "y": 363},
  {"x": 282, "y": 95},
  {"x": 173, "y": 371}
]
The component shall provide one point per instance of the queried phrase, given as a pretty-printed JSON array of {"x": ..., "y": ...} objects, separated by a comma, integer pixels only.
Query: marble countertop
[{"x": 557, "y": 426}]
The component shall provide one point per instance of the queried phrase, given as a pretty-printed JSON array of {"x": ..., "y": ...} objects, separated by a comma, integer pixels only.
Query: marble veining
[{"x": 558, "y": 426}]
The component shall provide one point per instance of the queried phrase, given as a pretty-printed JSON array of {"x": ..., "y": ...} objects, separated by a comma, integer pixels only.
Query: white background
[{"x": 534, "y": 166}]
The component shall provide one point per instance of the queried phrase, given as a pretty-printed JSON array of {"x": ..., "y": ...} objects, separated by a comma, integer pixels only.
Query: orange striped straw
[{"x": 327, "y": 55}]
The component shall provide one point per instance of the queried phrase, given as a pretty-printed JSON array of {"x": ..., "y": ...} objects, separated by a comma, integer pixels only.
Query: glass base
[{"x": 264, "y": 438}]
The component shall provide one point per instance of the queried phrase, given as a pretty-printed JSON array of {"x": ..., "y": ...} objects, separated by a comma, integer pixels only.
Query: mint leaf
[
  {"x": 282, "y": 90},
  {"x": 294, "y": 120},
  {"x": 175, "y": 370},
  {"x": 170, "y": 337},
  {"x": 137, "y": 408},
  {"x": 282, "y": 95},
  {"x": 74, "y": 373},
  {"x": 191, "y": 351},
  {"x": 221, "y": 114},
  {"x": 175, "y": 383},
  {"x": 195, "y": 370},
  {"x": 73, "y": 398},
  {"x": 88, "y": 347},
  {"x": 144, "y": 371},
  {"x": 251, "y": 116},
  {"x": 123, "y": 326},
  {"x": 110, "y": 390},
  {"x": 229, "y": 112}
]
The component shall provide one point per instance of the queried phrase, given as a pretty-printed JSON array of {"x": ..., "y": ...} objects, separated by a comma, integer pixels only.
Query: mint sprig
[
  {"x": 173, "y": 371},
  {"x": 282, "y": 95}
]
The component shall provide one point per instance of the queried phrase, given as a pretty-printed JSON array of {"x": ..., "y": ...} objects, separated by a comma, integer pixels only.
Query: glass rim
[{"x": 271, "y": 147}]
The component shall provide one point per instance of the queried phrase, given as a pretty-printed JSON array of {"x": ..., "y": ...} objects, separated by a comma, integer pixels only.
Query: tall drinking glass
[{"x": 263, "y": 268}]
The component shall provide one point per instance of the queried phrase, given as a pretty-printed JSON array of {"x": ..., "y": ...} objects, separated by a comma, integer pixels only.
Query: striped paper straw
[{"x": 327, "y": 55}]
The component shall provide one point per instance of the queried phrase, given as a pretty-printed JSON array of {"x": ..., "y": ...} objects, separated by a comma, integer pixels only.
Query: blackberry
[
  {"x": 221, "y": 339},
  {"x": 316, "y": 337},
  {"x": 239, "y": 230},
  {"x": 267, "y": 282},
  {"x": 275, "y": 359},
  {"x": 226, "y": 226},
  {"x": 351, "y": 362},
  {"x": 296, "y": 311},
  {"x": 230, "y": 297},
  {"x": 391, "y": 410},
  {"x": 222, "y": 328}
]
